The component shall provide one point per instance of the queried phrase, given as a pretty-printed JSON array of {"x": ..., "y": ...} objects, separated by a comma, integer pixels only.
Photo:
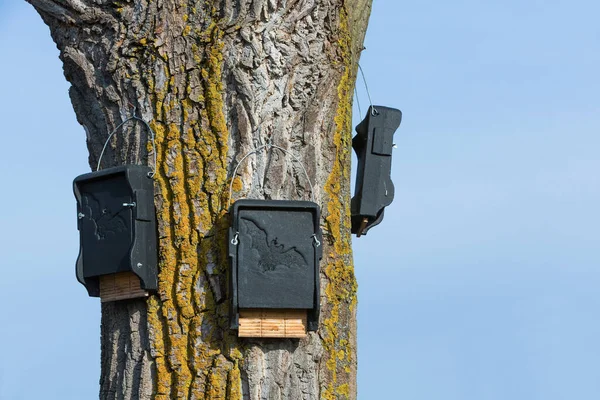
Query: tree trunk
[{"x": 214, "y": 79}]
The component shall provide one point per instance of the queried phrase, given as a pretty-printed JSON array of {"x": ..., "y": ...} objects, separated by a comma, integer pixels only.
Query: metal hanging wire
[
  {"x": 373, "y": 110},
  {"x": 269, "y": 145},
  {"x": 357, "y": 101},
  {"x": 133, "y": 117}
]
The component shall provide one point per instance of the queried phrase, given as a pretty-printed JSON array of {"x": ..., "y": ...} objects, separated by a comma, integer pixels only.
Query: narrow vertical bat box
[
  {"x": 117, "y": 232},
  {"x": 274, "y": 249},
  {"x": 373, "y": 145}
]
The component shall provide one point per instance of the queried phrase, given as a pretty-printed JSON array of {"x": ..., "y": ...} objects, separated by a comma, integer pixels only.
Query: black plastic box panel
[
  {"x": 373, "y": 144},
  {"x": 117, "y": 225},
  {"x": 275, "y": 263}
]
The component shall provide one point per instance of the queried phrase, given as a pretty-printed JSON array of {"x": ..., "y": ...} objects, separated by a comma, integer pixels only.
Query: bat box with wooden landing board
[
  {"x": 274, "y": 249},
  {"x": 373, "y": 145},
  {"x": 117, "y": 230}
]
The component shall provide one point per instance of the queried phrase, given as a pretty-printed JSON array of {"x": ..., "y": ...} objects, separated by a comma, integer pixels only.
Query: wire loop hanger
[
  {"x": 357, "y": 101},
  {"x": 374, "y": 111},
  {"x": 151, "y": 134},
  {"x": 268, "y": 146}
]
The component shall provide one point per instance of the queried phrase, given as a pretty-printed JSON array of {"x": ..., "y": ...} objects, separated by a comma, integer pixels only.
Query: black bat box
[
  {"x": 117, "y": 225},
  {"x": 274, "y": 249},
  {"x": 374, "y": 189}
]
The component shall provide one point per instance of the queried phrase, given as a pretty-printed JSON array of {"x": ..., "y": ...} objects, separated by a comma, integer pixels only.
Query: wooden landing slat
[
  {"x": 121, "y": 286},
  {"x": 267, "y": 323}
]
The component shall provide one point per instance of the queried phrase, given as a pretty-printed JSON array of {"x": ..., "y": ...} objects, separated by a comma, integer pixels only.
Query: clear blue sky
[{"x": 482, "y": 283}]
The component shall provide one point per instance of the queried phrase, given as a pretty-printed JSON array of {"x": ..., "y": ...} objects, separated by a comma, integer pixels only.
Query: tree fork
[{"x": 213, "y": 79}]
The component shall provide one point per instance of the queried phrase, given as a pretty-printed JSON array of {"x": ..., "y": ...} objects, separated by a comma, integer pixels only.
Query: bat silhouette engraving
[
  {"x": 271, "y": 254},
  {"x": 105, "y": 221}
]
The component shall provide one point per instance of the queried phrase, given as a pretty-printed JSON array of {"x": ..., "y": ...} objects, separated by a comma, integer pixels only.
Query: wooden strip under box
[
  {"x": 269, "y": 323},
  {"x": 120, "y": 286}
]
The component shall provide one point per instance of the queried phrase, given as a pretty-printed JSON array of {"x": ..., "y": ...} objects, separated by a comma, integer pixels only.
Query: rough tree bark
[{"x": 214, "y": 78}]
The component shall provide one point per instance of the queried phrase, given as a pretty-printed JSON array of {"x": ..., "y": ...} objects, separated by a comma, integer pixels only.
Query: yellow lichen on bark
[
  {"x": 191, "y": 175},
  {"x": 341, "y": 284}
]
